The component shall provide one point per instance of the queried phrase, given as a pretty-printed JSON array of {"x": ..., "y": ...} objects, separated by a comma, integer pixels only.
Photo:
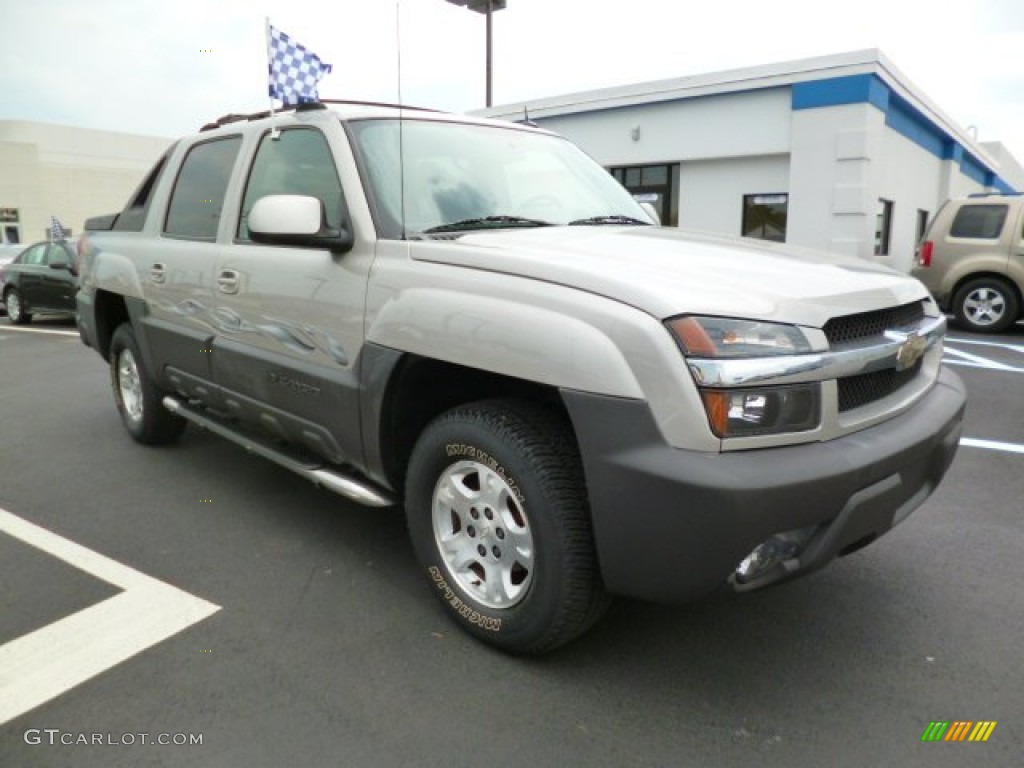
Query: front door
[{"x": 290, "y": 325}]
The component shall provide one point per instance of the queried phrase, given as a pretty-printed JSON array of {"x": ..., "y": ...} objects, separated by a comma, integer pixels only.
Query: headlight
[
  {"x": 750, "y": 411},
  {"x": 725, "y": 337}
]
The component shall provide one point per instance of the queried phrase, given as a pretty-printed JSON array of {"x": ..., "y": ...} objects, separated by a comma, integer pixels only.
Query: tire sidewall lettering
[
  {"x": 464, "y": 451},
  {"x": 464, "y": 610}
]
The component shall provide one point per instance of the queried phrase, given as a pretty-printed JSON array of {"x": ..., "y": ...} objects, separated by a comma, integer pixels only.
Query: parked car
[
  {"x": 972, "y": 260},
  {"x": 7, "y": 254},
  {"x": 41, "y": 280}
]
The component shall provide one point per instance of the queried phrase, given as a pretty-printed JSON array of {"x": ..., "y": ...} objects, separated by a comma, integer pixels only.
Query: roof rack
[{"x": 307, "y": 106}]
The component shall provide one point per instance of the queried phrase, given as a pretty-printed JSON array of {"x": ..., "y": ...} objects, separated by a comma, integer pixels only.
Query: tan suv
[{"x": 972, "y": 260}]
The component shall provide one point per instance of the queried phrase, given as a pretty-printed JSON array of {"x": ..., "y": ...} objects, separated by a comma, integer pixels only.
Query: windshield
[{"x": 482, "y": 177}]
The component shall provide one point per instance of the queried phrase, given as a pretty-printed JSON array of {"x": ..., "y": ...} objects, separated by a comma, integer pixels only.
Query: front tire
[
  {"x": 986, "y": 305},
  {"x": 16, "y": 308},
  {"x": 137, "y": 397},
  {"x": 497, "y": 512}
]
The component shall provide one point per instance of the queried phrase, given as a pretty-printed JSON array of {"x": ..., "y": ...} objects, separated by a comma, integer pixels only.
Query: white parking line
[
  {"x": 969, "y": 360},
  {"x": 978, "y": 343},
  {"x": 49, "y": 331},
  {"x": 43, "y": 664},
  {"x": 992, "y": 445}
]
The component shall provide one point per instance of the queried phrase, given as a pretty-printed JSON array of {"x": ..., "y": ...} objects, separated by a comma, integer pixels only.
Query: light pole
[{"x": 486, "y": 7}]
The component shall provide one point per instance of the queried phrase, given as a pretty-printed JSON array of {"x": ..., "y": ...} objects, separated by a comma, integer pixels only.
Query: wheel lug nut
[
  {"x": 500, "y": 533},
  {"x": 471, "y": 531},
  {"x": 496, "y": 552},
  {"x": 482, "y": 550},
  {"x": 488, "y": 514},
  {"x": 474, "y": 513}
]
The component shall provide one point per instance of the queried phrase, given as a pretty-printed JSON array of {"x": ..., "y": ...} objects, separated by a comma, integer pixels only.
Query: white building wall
[
  {"x": 711, "y": 191},
  {"x": 739, "y": 124},
  {"x": 833, "y": 178},
  {"x": 71, "y": 173},
  {"x": 914, "y": 179}
]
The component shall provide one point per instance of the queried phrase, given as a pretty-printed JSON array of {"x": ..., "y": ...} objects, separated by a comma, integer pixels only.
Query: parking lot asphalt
[{"x": 313, "y": 640}]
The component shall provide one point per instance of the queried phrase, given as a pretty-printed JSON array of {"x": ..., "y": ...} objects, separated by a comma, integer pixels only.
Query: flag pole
[{"x": 274, "y": 133}]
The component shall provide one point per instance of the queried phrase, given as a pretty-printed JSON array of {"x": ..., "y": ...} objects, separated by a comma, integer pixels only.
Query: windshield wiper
[
  {"x": 487, "y": 222},
  {"x": 614, "y": 218}
]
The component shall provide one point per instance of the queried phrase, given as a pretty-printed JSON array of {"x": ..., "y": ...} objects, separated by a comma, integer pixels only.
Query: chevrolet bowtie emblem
[{"x": 911, "y": 351}]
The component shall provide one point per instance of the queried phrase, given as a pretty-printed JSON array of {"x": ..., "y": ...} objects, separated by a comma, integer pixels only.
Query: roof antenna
[
  {"x": 526, "y": 118},
  {"x": 401, "y": 115}
]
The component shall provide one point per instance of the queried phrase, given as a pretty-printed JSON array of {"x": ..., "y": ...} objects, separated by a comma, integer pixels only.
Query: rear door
[
  {"x": 1016, "y": 264},
  {"x": 287, "y": 347},
  {"x": 57, "y": 285},
  {"x": 177, "y": 264},
  {"x": 28, "y": 272}
]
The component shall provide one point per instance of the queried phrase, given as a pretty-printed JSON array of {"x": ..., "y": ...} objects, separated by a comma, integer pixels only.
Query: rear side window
[
  {"x": 983, "y": 222},
  {"x": 198, "y": 196},
  {"x": 133, "y": 216},
  {"x": 34, "y": 255}
]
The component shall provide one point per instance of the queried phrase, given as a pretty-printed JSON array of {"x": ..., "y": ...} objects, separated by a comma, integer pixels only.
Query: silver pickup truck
[{"x": 473, "y": 320}]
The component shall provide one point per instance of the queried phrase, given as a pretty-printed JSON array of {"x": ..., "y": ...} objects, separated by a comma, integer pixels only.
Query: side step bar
[{"x": 356, "y": 490}]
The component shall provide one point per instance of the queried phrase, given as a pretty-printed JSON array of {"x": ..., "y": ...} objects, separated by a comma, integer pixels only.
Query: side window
[
  {"x": 984, "y": 222},
  {"x": 133, "y": 216},
  {"x": 34, "y": 255},
  {"x": 58, "y": 254},
  {"x": 299, "y": 162},
  {"x": 198, "y": 195}
]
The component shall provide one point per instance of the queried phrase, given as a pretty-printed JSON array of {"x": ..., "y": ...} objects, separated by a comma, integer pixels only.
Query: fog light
[
  {"x": 771, "y": 552},
  {"x": 762, "y": 410}
]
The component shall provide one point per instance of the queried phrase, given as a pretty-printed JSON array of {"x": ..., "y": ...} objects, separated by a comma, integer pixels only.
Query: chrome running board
[{"x": 331, "y": 479}]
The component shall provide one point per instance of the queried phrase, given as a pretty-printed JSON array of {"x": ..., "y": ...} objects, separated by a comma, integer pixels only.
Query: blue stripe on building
[{"x": 900, "y": 116}]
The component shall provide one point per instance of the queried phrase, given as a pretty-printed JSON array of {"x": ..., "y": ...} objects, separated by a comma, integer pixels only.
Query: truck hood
[{"x": 667, "y": 272}]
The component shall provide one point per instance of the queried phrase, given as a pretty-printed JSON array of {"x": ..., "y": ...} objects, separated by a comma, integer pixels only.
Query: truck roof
[{"x": 353, "y": 110}]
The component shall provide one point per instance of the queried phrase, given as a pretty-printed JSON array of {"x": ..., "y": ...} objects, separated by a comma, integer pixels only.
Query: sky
[{"x": 166, "y": 67}]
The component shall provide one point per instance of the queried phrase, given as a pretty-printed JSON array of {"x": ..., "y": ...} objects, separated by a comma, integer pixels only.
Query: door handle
[
  {"x": 158, "y": 273},
  {"x": 227, "y": 281}
]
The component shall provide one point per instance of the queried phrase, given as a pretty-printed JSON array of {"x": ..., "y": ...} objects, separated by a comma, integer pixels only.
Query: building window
[
  {"x": 654, "y": 184},
  {"x": 883, "y": 227},
  {"x": 11, "y": 234},
  {"x": 922, "y": 226},
  {"x": 764, "y": 216}
]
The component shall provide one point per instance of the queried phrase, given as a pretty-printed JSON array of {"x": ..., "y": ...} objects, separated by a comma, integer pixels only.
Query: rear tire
[
  {"x": 986, "y": 305},
  {"x": 138, "y": 399},
  {"x": 16, "y": 308},
  {"x": 497, "y": 511}
]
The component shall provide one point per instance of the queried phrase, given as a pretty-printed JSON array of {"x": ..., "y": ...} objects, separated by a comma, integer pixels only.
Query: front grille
[
  {"x": 865, "y": 325},
  {"x": 855, "y": 391}
]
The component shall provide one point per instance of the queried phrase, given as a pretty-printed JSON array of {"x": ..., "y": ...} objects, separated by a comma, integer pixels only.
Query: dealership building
[
  {"x": 840, "y": 153},
  {"x": 70, "y": 173}
]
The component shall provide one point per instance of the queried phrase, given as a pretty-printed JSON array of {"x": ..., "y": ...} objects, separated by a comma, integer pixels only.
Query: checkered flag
[
  {"x": 57, "y": 232},
  {"x": 294, "y": 70}
]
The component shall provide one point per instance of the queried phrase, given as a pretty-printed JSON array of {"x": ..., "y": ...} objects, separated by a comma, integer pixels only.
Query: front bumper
[{"x": 672, "y": 525}]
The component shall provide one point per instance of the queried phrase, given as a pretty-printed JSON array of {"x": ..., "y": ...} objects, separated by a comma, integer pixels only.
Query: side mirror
[{"x": 296, "y": 220}]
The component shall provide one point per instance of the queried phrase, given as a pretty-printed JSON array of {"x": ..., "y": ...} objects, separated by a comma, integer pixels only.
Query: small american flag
[{"x": 57, "y": 231}]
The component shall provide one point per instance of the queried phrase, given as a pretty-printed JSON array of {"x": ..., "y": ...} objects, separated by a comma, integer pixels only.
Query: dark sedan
[{"x": 41, "y": 280}]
